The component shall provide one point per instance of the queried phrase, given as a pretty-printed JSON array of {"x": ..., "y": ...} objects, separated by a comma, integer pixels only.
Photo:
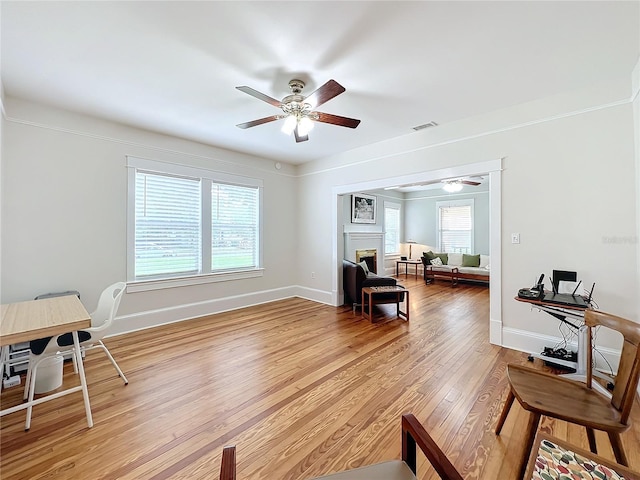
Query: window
[
  {"x": 455, "y": 226},
  {"x": 234, "y": 227},
  {"x": 167, "y": 225},
  {"x": 190, "y": 222},
  {"x": 391, "y": 228}
]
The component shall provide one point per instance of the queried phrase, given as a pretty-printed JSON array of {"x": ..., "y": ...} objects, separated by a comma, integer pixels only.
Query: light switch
[{"x": 515, "y": 238}]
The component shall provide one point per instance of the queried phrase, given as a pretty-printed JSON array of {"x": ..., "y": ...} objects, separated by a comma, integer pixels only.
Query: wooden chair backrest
[
  {"x": 413, "y": 435},
  {"x": 628, "y": 374}
]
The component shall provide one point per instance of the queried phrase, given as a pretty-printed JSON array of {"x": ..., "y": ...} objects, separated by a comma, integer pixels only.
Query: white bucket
[{"x": 49, "y": 374}]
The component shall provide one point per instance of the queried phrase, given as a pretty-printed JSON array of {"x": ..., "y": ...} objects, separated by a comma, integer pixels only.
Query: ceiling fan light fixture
[
  {"x": 452, "y": 187},
  {"x": 305, "y": 125},
  {"x": 289, "y": 124},
  {"x": 297, "y": 109}
]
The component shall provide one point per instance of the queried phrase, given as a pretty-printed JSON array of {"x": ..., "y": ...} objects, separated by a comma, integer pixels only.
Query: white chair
[{"x": 101, "y": 320}]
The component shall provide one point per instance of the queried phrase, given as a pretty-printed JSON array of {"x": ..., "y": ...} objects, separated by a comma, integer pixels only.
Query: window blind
[
  {"x": 234, "y": 227},
  {"x": 392, "y": 230},
  {"x": 456, "y": 228},
  {"x": 167, "y": 225}
]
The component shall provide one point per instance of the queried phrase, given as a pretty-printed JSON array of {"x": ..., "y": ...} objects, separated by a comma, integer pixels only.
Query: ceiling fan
[
  {"x": 298, "y": 110},
  {"x": 455, "y": 184}
]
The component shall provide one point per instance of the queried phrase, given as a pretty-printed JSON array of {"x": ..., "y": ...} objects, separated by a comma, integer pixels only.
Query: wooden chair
[
  {"x": 413, "y": 433},
  {"x": 551, "y": 458},
  {"x": 541, "y": 393}
]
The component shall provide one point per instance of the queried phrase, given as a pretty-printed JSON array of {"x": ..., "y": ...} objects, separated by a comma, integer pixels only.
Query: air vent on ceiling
[{"x": 426, "y": 125}]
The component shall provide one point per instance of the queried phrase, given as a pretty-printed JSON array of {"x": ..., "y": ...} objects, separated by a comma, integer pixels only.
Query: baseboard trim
[
  {"x": 495, "y": 331},
  {"x": 178, "y": 313},
  {"x": 320, "y": 296},
  {"x": 530, "y": 342}
]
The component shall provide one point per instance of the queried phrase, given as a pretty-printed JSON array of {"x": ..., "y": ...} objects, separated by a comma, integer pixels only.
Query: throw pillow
[
  {"x": 470, "y": 260},
  {"x": 484, "y": 261},
  {"x": 429, "y": 256},
  {"x": 444, "y": 257},
  {"x": 437, "y": 262},
  {"x": 454, "y": 259},
  {"x": 364, "y": 266}
]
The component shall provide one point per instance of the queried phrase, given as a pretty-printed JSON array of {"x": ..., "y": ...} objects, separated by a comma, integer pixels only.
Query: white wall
[
  {"x": 64, "y": 199},
  {"x": 2, "y": 204},
  {"x": 567, "y": 187},
  {"x": 635, "y": 95},
  {"x": 64, "y": 214}
]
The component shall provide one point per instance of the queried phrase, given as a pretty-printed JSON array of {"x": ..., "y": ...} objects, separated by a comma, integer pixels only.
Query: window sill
[{"x": 148, "y": 285}]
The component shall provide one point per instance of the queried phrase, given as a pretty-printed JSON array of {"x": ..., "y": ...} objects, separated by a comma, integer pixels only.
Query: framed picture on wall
[{"x": 363, "y": 208}]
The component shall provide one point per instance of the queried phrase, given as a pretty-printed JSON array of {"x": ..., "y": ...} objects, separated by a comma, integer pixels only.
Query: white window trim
[
  {"x": 133, "y": 285},
  {"x": 396, "y": 206},
  {"x": 455, "y": 203}
]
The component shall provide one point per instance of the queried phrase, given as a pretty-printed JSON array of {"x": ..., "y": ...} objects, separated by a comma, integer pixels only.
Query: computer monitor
[{"x": 563, "y": 276}]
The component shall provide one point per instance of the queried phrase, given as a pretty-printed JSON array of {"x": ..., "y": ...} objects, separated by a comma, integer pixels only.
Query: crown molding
[{"x": 486, "y": 133}]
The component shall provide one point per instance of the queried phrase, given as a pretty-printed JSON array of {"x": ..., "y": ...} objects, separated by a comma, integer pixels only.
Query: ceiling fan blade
[
  {"x": 325, "y": 93},
  {"x": 260, "y": 121},
  {"x": 469, "y": 182},
  {"x": 300, "y": 138},
  {"x": 260, "y": 96},
  {"x": 337, "y": 120}
]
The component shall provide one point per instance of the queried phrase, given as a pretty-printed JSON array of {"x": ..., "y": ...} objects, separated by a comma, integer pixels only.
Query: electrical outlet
[
  {"x": 515, "y": 238},
  {"x": 313, "y": 274}
]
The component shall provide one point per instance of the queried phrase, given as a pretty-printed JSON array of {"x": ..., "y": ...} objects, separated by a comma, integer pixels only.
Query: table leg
[
  {"x": 83, "y": 380},
  {"x": 581, "y": 365},
  {"x": 399, "y": 312},
  {"x": 4, "y": 362},
  {"x": 365, "y": 314},
  {"x": 582, "y": 350}
]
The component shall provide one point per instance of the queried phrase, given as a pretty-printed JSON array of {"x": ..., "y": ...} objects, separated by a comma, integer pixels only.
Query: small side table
[
  {"x": 389, "y": 294},
  {"x": 415, "y": 263}
]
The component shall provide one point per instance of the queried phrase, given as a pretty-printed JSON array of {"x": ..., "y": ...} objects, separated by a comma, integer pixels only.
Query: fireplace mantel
[{"x": 362, "y": 241}]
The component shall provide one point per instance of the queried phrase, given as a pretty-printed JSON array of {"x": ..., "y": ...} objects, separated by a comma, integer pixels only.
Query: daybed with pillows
[{"x": 456, "y": 266}]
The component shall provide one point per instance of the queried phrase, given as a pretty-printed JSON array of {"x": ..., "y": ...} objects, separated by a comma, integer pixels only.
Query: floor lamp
[{"x": 411, "y": 243}]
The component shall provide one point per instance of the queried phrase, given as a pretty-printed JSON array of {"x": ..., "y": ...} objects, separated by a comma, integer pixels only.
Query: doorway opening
[{"x": 492, "y": 168}]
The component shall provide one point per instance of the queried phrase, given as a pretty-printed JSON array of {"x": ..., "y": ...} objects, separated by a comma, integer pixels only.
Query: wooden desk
[
  {"x": 576, "y": 313},
  {"x": 373, "y": 292},
  {"x": 406, "y": 266},
  {"x": 23, "y": 321}
]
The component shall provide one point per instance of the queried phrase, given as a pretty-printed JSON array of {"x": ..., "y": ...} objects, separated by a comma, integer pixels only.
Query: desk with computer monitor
[{"x": 568, "y": 308}]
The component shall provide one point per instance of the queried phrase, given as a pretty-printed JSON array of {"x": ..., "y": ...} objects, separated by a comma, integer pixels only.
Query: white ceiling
[{"x": 171, "y": 67}]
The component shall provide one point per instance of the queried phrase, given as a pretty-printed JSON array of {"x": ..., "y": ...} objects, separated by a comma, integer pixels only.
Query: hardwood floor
[{"x": 302, "y": 389}]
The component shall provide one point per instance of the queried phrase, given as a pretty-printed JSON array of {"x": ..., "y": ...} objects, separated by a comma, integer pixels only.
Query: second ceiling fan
[{"x": 299, "y": 111}]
